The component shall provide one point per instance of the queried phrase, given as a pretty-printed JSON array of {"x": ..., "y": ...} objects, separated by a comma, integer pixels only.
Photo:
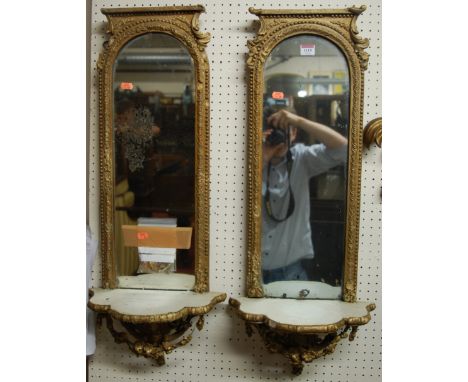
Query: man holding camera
[{"x": 287, "y": 168}]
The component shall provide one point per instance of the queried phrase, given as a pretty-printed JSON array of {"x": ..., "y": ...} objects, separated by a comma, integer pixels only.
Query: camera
[{"x": 278, "y": 136}]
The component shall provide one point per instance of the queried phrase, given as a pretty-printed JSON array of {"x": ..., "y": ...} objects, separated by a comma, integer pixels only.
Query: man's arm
[{"x": 330, "y": 138}]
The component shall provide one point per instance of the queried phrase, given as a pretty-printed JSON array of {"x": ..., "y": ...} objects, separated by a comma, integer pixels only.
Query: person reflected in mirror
[{"x": 287, "y": 169}]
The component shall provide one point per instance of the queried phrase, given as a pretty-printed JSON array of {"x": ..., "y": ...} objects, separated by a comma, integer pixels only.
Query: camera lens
[{"x": 276, "y": 137}]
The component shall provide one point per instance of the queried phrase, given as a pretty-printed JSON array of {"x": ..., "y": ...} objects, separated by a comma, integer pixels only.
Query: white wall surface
[{"x": 222, "y": 351}]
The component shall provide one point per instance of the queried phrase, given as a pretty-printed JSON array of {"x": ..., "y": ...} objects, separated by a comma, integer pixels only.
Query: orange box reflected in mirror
[{"x": 158, "y": 237}]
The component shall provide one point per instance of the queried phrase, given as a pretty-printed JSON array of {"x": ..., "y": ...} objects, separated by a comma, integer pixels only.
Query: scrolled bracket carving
[
  {"x": 202, "y": 37},
  {"x": 153, "y": 340},
  {"x": 360, "y": 43},
  {"x": 299, "y": 348}
]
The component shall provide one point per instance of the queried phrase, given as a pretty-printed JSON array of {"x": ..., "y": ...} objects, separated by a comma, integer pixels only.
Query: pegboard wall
[{"x": 222, "y": 350}]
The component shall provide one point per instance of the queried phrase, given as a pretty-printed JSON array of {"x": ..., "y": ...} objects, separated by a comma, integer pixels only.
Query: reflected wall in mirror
[
  {"x": 154, "y": 133},
  {"x": 304, "y": 154},
  {"x": 306, "y": 74},
  {"x": 154, "y": 138}
]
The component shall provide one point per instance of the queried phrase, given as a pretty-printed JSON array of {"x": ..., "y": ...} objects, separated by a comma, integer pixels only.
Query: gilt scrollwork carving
[
  {"x": 298, "y": 348},
  {"x": 203, "y": 37},
  {"x": 153, "y": 340},
  {"x": 359, "y": 42},
  {"x": 123, "y": 25},
  {"x": 339, "y": 26}
]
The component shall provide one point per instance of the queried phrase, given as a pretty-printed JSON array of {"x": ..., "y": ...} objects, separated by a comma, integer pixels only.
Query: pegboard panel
[{"x": 222, "y": 350}]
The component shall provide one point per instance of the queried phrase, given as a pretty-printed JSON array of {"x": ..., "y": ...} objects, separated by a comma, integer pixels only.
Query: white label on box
[
  {"x": 307, "y": 49},
  {"x": 157, "y": 251},
  {"x": 158, "y": 258}
]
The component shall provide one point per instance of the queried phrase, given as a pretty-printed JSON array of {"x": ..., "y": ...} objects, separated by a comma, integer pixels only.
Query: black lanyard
[{"x": 291, "y": 197}]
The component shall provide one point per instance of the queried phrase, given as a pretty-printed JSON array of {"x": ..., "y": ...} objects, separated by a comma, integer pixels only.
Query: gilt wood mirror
[
  {"x": 154, "y": 150},
  {"x": 305, "y": 132}
]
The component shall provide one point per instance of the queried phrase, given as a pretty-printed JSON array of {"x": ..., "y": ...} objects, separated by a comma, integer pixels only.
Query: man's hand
[
  {"x": 269, "y": 151},
  {"x": 283, "y": 119}
]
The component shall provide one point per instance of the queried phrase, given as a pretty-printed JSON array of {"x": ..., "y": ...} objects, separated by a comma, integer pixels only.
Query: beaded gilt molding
[
  {"x": 339, "y": 27},
  {"x": 124, "y": 24}
]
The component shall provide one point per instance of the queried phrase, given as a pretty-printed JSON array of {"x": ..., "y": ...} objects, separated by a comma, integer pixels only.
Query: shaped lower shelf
[
  {"x": 154, "y": 319},
  {"x": 301, "y": 330}
]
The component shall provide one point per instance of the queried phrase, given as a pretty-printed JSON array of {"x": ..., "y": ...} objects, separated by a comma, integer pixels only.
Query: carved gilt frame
[
  {"x": 339, "y": 27},
  {"x": 125, "y": 24}
]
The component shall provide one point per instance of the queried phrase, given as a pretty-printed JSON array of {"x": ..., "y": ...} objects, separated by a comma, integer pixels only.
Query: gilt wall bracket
[{"x": 301, "y": 330}]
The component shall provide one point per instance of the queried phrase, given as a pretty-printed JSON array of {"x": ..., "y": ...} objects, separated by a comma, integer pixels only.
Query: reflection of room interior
[
  {"x": 327, "y": 194},
  {"x": 321, "y": 95},
  {"x": 159, "y": 80}
]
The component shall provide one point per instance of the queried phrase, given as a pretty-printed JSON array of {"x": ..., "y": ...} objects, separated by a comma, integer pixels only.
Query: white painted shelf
[
  {"x": 307, "y": 316},
  {"x": 152, "y": 305}
]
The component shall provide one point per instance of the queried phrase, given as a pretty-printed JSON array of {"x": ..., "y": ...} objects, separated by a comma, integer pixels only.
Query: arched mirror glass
[
  {"x": 304, "y": 168},
  {"x": 154, "y": 157}
]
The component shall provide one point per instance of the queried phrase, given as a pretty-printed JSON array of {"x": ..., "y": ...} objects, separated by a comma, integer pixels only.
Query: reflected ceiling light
[
  {"x": 277, "y": 95},
  {"x": 126, "y": 86}
]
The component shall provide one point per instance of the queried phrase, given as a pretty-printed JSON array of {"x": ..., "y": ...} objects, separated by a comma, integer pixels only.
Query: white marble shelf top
[
  {"x": 171, "y": 281},
  {"x": 292, "y": 289},
  {"x": 138, "y": 306},
  {"x": 303, "y": 315}
]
